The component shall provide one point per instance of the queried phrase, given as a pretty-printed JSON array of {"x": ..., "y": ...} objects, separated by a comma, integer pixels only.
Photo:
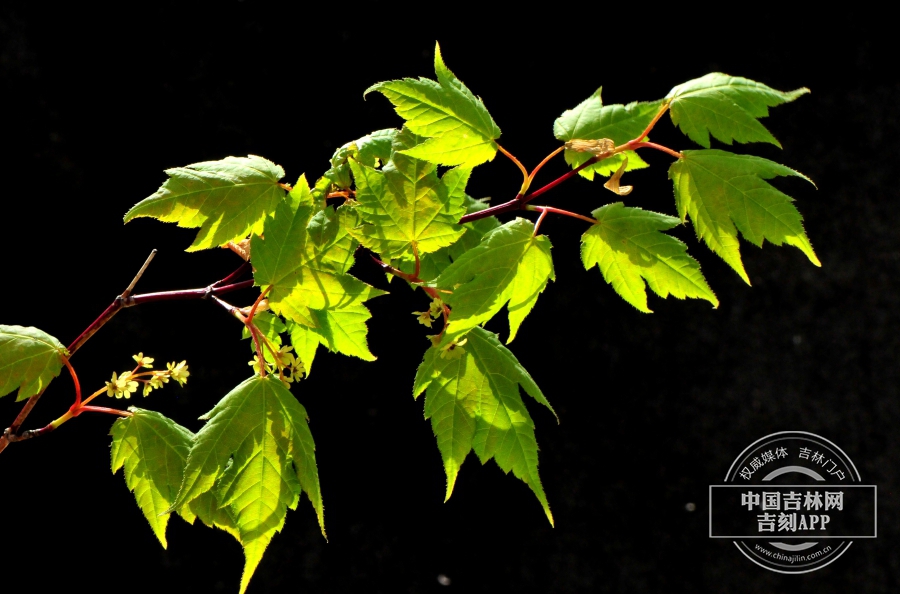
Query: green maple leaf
[
  {"x": 226, "y": 199},
  {"x": 29, "y": 360},
  {"x": 433, "y": 264},
  {"x": 459, "y": 129},
  {"x": 153, "y": 449},
  {"x": 206, "y": 507},
  {"x": 591, "y": 120},
  {"x": 509, "y": 265},
  {"x": 370, "y": 150},
  {"x": 406, "y": 203},
  {"x": 724, "y": 193},
  {"x": 308, "y": 279},
  {"x": 256, "y": 450},
  {"x": 473, "y": 402},
  {"x": 728, "y": 107},
  {"x": 627, "y": 245}
]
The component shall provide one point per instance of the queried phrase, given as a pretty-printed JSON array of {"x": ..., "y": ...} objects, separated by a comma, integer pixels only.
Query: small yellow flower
[
  {"x": 145, "y": 362},
  {"x": 121, "y": 386},
  {"x": 454, "y": 350},
  {"x": 158, "y": 379},
  {"x": 178, "y": 372},
  {"x": 298, "y": 370},
  {"x": 111, "y": 385},
  {"x": 436, "y": 309},
  {"x": 424, "y": 318}
]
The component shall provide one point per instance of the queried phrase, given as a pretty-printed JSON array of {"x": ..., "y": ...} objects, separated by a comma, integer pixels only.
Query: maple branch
[
  {"x": 125, "y": 299},
  {"x": 251, "y": 327},
  {"x": 236, "y": 274},
  {"x": 410, "y": 278},
  {"x": 519, "y": 202},
  {"x": 75, "y": 380}
]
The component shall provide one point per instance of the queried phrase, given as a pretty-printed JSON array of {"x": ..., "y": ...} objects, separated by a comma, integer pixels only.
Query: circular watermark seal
[{"x": 792, "y": 502}]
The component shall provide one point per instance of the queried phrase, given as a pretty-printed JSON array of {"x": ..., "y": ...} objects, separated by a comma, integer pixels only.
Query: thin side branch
[{"x": 125, "y": 299}]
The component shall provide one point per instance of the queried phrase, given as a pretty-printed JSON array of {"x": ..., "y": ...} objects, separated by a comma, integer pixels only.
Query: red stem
[
  {"x": 520, "y": 201},
  {"x": 545, "y": 209},
  {"x": 653, "y": 145},
  {"x": 540, "y": 220},
  {"x": 75, "y": 380},
  {"x": 122, "y": 301},
  {"x": 101, "y": 409},
  {"x": 236, "y": 274}
]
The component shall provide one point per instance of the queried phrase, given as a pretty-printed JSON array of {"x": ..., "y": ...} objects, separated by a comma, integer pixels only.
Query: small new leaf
[
  {"x": 29, "y": 360},
  {"x": 473, "y": 402},
  {"x": 459, "y": 129},
  {"x": 370, "y": 150},
  {"x": 153, "y": 450},
  {"x": 628, "y": 246},
  {"x": 226, "y": 199},
  {"x": 728, "y": 107},
  {"x": 723, "y": 192},
  {"x": 256, "y": 450},
  {"x": 509, "y": 265},
  {"x": 591, "y": 120}
]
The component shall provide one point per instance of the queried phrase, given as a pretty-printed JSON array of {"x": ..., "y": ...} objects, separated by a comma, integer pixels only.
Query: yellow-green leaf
[
  {"x": 728, "y": 107},
  {"x": 29, "y": 360},
  {"x": 458, "y": 127},
  {"x": 510, "y": 266},
  {"x": 258, "y": 454},
  {"x": 226, "y": 199},
  {"x": 406, "y": 203},
  {"x": 591, "y": 120},
  {"x": 629, "y": 248},
  {"x": 309, "y": 281},
  {"x": 724, "y": 193},
  {"x": 473, "y": 402},
  {"x": 153, "y": 449}
]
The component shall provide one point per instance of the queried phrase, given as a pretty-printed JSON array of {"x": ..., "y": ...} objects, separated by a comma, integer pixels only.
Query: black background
[{"x": 653, "y": 408}]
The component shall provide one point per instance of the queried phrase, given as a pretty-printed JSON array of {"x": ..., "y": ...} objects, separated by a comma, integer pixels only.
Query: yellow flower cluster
[
  {"x": 124, "y": 384},
  {"x": 288, "y": 367}
]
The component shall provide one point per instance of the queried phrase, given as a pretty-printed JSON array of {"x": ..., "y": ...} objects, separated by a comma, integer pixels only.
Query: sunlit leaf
[
  {"x": 728, "y": 107},
  {"x": 29, "y": 360},
  {"x": 226, "y": 199},
  {"x": 406, "y": 203},
  {"x": 153, "y": 449},
  {"x": 629, "y": 248},
  {"x": 459, "y": 129},
  {"x": 509, "y": 267},
  {"x": 309, "y": 280},
  {"x": 258, "y": 454},
  {"x": 724, "y": 193},
  {"x": 473, "y": 402},
  {"x": 591, "y": 120}
]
